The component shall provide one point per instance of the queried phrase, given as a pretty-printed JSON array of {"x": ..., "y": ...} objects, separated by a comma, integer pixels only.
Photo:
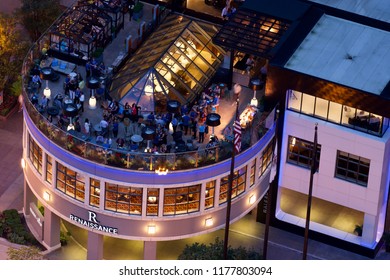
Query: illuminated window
[
  {"x": 238, "y": 185},
  {"x": 337, "y": 113},
  {"x": 300, "y": 152},
  {"x": 70, "y": 182},
  {"x": 352, "y": 168},
  {"x": 266, "y": 157},
  {"x": 210, "y": 190},
  {"x": 252, "y": 174},
  {"x": 35, "y": 154},
  {"x": 152, "y": 202},
  {"x": 49, "y": 171},
  {"x": 94, "y": 192},
  {"x": 123, "y": 199},
  {"x": 181, "y": 200}
]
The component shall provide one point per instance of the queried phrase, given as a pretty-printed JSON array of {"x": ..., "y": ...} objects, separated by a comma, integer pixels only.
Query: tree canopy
[
  {"x": 12, "y": 50},
  {"x": 38, "y": 15}
]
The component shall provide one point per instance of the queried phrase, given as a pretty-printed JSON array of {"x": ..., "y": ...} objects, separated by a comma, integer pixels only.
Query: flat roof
[
  {"x": 346, "y": 53},
  {"x": 377, "y": 9}
]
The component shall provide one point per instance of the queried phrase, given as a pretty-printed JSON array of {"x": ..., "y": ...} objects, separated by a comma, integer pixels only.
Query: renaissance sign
[{"x": 93, "y": 223}]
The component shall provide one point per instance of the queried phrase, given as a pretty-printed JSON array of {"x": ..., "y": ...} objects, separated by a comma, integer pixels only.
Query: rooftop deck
[{"x": 133, "y": 155}]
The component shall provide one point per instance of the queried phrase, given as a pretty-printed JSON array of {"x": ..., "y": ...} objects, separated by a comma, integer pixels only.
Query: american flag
[{"x": 237, "y": 133}]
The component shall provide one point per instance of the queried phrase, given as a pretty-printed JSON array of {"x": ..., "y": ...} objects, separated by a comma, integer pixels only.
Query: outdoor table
[
  {"x": 97, "y": 128},
  {"x": 53, "y": 111},
  {"x": 136, "y": 138}
]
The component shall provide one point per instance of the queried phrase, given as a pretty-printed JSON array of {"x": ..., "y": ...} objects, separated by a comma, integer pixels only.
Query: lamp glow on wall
[
  {"x": 23, "y": 163},
  {"x": 208, "y": 222},
  {"x": 151, "y": 229},
  {"x": 252, "y": 199},
  {"x": 46, "y": 196}
]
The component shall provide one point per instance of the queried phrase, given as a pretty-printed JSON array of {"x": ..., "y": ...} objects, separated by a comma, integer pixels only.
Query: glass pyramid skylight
[{"x": 175, "y": 63}]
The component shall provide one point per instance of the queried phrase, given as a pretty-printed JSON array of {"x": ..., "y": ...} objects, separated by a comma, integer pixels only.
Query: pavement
[{"x": 246, "y": 232}]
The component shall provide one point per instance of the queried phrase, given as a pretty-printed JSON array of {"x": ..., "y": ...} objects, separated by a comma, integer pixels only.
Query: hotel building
[
  {"x": 136, "y": 195},
  {"x": 327, "y": 68}
]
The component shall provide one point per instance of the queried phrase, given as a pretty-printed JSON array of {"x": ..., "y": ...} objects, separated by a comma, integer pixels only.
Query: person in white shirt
[
  {"x": 104, "y": 126},
  {"x": 87, "y": 126},
  {"x": 82, "y": 99},
  {"x": 224, "y": 13}
]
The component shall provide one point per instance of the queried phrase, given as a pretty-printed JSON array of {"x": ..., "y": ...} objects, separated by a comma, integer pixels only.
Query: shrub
[
  {"x": 64, "y": 238},
  {"x": 24, "y": 253},
  {"x": 214, "y": 251}
]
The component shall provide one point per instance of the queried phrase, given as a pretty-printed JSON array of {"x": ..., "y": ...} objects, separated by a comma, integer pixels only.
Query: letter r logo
[{"x": 92, "y": 217}]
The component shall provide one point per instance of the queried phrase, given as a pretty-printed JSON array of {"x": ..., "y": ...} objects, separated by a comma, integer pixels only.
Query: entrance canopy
[{"x": 176, "y": 62}]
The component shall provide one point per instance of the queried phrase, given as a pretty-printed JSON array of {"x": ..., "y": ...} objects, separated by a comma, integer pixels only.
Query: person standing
[
  {"x": 115, "y": 128},
  {"x": 201, "y": 129},
  {"x": 131, "y": 9},
  {"x": 186, "y": 123},
  {"x": 87, "y": 126},
  {"x": 82, "y": 99},
  {"x": 88, "y": 69},
  {"x": 194, "y": 127}
]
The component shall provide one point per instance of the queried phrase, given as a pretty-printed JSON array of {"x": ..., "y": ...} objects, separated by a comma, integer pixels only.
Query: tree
[
  {"x": 214, "y": 251},
  {"x": 38, "y": 15},
  {"x": 12, "y": 50},
  {"x": 24, "y": 253}
]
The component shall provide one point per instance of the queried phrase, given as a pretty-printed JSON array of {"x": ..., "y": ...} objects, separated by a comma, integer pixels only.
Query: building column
[
  {"x": 28, "y": 198},
  {"x": 95, "y": 246},
  {"x": 51, "y": 230},
  {"x": 150, "y": 250},
  {"x": 370, "y": 226}
]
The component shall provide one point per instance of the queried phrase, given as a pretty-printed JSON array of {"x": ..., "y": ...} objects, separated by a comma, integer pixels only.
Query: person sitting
[
  {"x": 36, "y": 80},
  {"x": 120, "y": 142},
  {"x": 163, "y": 148},
  {"x": 228, "y": 133},
  {"x": 100, "y": 139}
]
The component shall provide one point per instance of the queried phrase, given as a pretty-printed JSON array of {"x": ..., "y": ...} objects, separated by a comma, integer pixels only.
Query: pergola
[
  {"x": 113, "y": 8},
  {"x": 79, "y": 32}
]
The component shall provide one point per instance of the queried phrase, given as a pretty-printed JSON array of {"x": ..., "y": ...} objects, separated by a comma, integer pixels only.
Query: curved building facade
[
  {"x": 127, "y": 195},
  {"x": 136, "y": 205}
]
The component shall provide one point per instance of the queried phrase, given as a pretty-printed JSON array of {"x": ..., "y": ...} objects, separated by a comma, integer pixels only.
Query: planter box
[{"x": 10, "y": 113}]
